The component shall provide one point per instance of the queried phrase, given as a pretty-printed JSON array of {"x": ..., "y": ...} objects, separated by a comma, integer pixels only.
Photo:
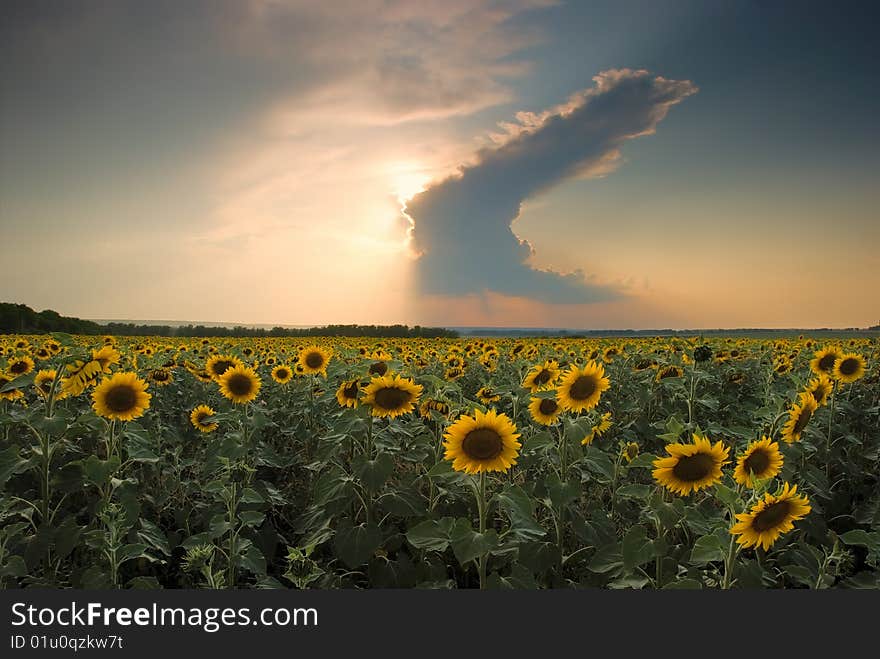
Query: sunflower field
[{"x": 723, "y": 462}]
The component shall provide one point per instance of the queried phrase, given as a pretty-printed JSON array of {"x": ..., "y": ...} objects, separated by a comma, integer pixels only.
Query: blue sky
[{"x": 221, "y": 158}]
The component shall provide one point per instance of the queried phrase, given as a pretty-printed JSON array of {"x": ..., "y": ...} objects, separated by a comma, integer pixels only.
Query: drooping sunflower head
[
  {"x": 691, "y": 467},
  {"x": 43, "y": 382},
  {"x": 581, "y": 388},
  {"x": 823, "y": 360},
  {"x": 768, "y": 519},
  {"x": 630, "y": 451},
  {"x": 483, "y": 442},
  {"x": 760, "y": 461},
  {"x": 849, "y": 367},
  {"x": 378, "y": 368},
  {"x": 542, "y": 376},
  {"x": 121, "y": 397},
  {"x": 19, "y": 366},
  {"x": 798, "y": 417},
  {"x": 200, "y": 418},
  {"x": 545, "y": 411},
  {"x": 106, "y": 356},
  {"x": 240, "y": 384},
  {"x": 487, "y": 395},
  {"x": 671, "y": 371},
  {"x": 347, "y": 394},
  {"x": 391, "y": 395},
  {"x": 433, "y": 405},
  {"x": 282, "y": 374},
  {"x": 820, "y": 388},
  {"x": 161, "y": 377},
  {"x": 314, "y": 359},
  {"x": 217, "y": 365}
]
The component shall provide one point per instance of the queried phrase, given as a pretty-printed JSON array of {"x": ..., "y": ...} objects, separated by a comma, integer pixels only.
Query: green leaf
[
  {"x": 356, "y": 544},
  {"x": 14, "y": 567},
  {"x": 431, "y": 534},
  {"x": 861, "y": 538},
  {"x": 468, "y": 544},
  {"x": 607, "y": 558},
  {"x": 683, "y": 584},
  {"x": 562, "y": 494},
  {"x": 153, "y": 536},
  {"x": 637, "y": 548},
  {"x": 134, "y": 550},
  {"x": 635, "y": 491},
  {"x": 251, "y": 517},
  {"x": 250, "y": 495},
  {"x": 706, "y": 549},
  {"x": 10, "y": 463},
  {"x": 99, "y": 471},
  {"x": 520, "y": 511},
  {"x": 643, "y": 461},
  {"x": 374, "y": 473},
  {"x": 726, "y": 495}
]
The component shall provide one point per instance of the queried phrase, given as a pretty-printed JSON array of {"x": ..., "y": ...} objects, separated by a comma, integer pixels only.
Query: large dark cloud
[{"x": 462, "y": 225}]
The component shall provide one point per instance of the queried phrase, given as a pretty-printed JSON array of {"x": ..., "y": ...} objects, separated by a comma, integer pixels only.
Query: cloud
[{"x": 462, "y": 225}]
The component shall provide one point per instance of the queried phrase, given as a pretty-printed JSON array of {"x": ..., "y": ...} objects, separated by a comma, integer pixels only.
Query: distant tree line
[{"x": 21, "y": 319}]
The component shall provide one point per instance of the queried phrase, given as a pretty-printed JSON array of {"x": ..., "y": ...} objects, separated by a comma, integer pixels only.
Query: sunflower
[
  {"x": 391, "y": 395},
  {"x": 630, "y": 451},
  {"x": 768, "y": 519},
  {"x": 599, "y": 429},
  {"x": 314, "y": 359},
  {"x": 432, "y": 405},
  {"x": 282, "y": 374},
  {"x": 80, "y": 376},
  {"x": 761, "y": 460},
  {"x": 161, "y": 377},
  {"x": 42, "y": 354},
  {"x": 823, "y": 360},
  {"x": 121, "y": 397},
  {"x": 820, "y": 388},
  {"x": 217, "y": 365},
  {"x": 452, "y": 374},
  {"x": 378, "y": 368},
  {"x": 798, "y": 417},
  {"x": 580, "y": 389},
  {"x": 691, "y": 467},
  {"x": 482, "y": 442},
  {"x": 542, "y": 376},
  {"x": 20, "y": 366},
  {"x": 545, "y": 411},
  {"x": 671, "y": 371},
  {"x": 347, "y": 394},
  {"x": 240, "y": 384},
  {"x": 487, "y": 396},
  {"x": 200, "y": 418},
  {"x": 43, "y": 381},
  {"x": 12, "y": 394},
  {"x": 849, "y": 367},
  {"x": 107, "y": 356}
]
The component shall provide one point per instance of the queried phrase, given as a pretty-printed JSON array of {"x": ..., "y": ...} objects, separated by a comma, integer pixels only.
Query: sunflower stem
[
  {"x": 828, "y": 437},
  {"x": 731, "y": 556},
  {"x": 481, "y": 510}
]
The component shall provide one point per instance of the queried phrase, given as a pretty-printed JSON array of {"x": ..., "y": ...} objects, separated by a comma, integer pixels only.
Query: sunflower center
[
  {"x": 757, "y": 462},
  {"x": 849, "y": 366},
  {"x": 239, "y": 384},
  {"x": 693, "y": 468},
  {"x": 802, "y": 421},
  {"x": 583, "y": 388},
  {"x": 201, "y": 416},
  {"x": 221, "y": 367},
  {"x": 314, "y": 360},
  {"x": 543, "y": 377},
  {"x": 18, "y": 368},
  {"x": 482, "y": 444},
  {"x": 548, "y": 406},
  {"x": 827, "y": 362},
  {"x": 391, "y": 398},
  {"x": 378, "y": 368},
  {"x": 771, "y": 517},
  {"x": 121, "y": 398},
  {"x": 282, "y": 373},
  {"x": 350, "y": 391}
]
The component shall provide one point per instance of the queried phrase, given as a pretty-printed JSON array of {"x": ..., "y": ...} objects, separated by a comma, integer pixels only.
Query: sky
[{"x": 532, "y": 163}]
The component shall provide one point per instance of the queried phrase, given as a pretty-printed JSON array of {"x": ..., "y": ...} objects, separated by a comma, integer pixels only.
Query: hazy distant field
[{"x": 676, "y": 462}]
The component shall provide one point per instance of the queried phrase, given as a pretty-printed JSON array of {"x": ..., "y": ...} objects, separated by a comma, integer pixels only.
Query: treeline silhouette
[{"x": 21, "y": 319}]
